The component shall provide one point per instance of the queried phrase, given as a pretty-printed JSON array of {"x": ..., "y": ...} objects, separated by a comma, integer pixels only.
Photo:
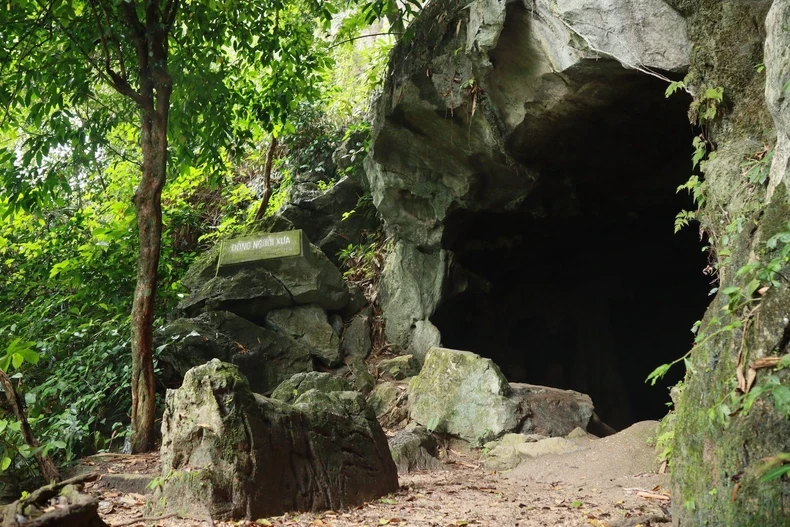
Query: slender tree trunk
[
  {"x": 147, "y": 199},
  {"x": 153, "y": 98},
  {"x": 45, "y": 463},
  {"x": 267, "y": 180}
]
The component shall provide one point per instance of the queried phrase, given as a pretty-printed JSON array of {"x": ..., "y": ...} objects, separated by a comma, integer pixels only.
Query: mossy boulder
[
  {"x": 232, "y": 454},
  {"x": 300, "y": 383},
  {"x": 463, "y": 394}
]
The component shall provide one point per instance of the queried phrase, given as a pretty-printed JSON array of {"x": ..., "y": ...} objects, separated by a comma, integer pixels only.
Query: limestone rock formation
[
  {"x": 552, "y": 412},
  {"x": 463, "y": 394},
  {"x": 414, "y": 448},
  {"x": 326, "y": 217},
  {"x": 300, "y": 383},
  {"x": 252, "y": 291},
  {"x": 266, "y": 355},
  {"x": 400, "y": 367},
  {"x": 308, "y": 325},
  {"x": 274, "y": 318},
  {"x": 229, "y": 453},
  {"x": 720, "y": 446},
  {"x": 476, "y": 107}
]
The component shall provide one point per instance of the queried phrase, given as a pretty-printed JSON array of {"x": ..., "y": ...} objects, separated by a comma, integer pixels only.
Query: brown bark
[
  {"x": 155, "y": 89},
  {"x": 267, "y": 181},
  {"x": 45, "y": 463}
]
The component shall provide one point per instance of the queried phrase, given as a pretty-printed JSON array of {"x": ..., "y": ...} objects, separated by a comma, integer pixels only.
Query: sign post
[{"x": 266, "y": 246}]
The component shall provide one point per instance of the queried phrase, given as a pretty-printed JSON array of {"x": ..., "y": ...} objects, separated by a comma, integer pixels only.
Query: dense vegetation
[{"x": 71, "y": 158}]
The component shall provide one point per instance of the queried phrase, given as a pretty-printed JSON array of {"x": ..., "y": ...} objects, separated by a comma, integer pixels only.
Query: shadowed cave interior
[{"x": 585, "y": 286}]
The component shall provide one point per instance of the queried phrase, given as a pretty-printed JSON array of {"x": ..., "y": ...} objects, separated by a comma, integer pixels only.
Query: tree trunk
[
  {"x": 267, "y": 181},
  {"x": 45, "y": 464},
  {"x": 153, "y": 98},
  {"x": 147, "y": 199}
]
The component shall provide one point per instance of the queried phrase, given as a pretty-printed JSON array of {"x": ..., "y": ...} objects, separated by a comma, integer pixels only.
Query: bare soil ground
[{"x": 610, "y": 482}]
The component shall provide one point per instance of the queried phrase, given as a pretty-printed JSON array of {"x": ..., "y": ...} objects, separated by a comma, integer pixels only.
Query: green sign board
[{"x": 261, "y": 247}]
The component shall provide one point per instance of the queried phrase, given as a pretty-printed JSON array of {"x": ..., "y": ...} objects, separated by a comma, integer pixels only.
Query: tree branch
[
  {"x": 169, "y": 17},
  {"x": 352, "y": 39},
  {"x": 121, "y": 62},
  {"x": 111, "y": 78},
  {"x": 101, "y": 37},
  {"x": 267, "y": 181},
  {"x": 45, "y": 464}
]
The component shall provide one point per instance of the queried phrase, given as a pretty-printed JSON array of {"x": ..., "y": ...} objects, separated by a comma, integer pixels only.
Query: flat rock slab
[
  {"x": 127, "y": 483},
  {"x": 231, "y": 454},
  {"x": 509, "y": 451}
]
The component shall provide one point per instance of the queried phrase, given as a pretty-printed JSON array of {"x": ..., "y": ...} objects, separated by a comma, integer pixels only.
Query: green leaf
[
  {"x": 657, "y": 374},
  {"x": 17, "y": 359},
  {"x": 432, "y": 424},
  {"x": 776, "y": 473},
  {"x": 5, "y": 463}
]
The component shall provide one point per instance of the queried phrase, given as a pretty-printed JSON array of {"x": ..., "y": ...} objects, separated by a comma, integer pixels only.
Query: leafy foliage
[{"x": 70, "y": 160}]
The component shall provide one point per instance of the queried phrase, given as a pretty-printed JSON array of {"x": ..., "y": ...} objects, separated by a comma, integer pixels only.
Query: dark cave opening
[{"x": 585, "y": 286}]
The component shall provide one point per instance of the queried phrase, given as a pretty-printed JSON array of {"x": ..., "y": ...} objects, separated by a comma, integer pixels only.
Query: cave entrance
[{"x": 585, "y": 286}]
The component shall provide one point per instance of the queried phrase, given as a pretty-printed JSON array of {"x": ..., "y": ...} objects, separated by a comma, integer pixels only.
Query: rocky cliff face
[
  {"x": 526, "y": 159},
  {"x": 732, "y": 413}
]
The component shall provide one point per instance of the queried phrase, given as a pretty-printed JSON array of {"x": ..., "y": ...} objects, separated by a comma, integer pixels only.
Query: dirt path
[{"x": 610, "y": 482}]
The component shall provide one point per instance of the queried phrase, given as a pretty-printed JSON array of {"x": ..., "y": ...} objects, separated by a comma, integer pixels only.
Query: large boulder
[
  {"x": 267, "y": 356},
  {"x": 254, "y": 289},
  {"x": 552, "y": 412},
  {"x": 309, "y": 326},
  {"x": 463, "y": 394},
  {"x": 231, "y": 454}
]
